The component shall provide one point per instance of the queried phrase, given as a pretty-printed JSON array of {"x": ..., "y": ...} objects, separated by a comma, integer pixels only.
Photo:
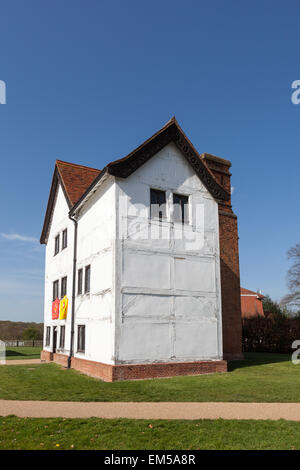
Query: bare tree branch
[{"x": 293, "y": 276}]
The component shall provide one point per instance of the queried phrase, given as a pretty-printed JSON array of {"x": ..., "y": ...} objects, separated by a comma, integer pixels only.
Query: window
[
  {"x": 56, "y": 245},
  {"x": 55, "y": 290},
  {"x": 157, "y": 203},
  {"x": 64, "y": 239},
  {"x": 63, "y": 286},
  {"x": 87, "y": 279},
  {"x": 79, "y": 281},
  {"x": 47, "y": 343},
  {"x": 181, "y": 208},
  {"x": 62, "y": 337},
  {"x": 81, "y": 338}
]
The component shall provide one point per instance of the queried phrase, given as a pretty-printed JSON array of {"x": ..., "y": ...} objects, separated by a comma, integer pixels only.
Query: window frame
[
  {"x": 64, "y": 237},
  {"x": 56, "y": 244},
  {"x": 55, "y": 283},
  {"x": 185, "y": 213},
  {"x": 87, "y": 285},
  {"x": 79, "y": 281},
  {"x": 48, "y": 336},
  {"x": 63, "y": 286},
  {"x": 62, "y": 335},
  {"x": 162, "y": 215},
  {"x": 81, "y": 338}
]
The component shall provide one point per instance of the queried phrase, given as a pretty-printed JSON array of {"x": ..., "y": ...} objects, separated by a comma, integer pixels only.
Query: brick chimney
[{"x": 229, "y": 263}]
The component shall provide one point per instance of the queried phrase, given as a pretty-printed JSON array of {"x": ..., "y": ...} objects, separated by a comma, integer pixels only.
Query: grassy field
[
  {"x": 259, "y": 378},
  {"x": 93, "y": 433},
  {"x": 22, "y": 353}
]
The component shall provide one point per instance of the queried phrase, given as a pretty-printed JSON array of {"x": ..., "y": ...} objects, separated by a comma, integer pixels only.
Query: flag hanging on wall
[
  {"x": 63, "y": 308},
  {"x": 55, "y": 309}
]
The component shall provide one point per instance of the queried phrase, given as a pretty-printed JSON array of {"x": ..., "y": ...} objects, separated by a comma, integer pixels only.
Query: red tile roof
[
  {"x": 251, "y": 303},
  {"x": 76, "y": 179},
  {"x": 250, "y": 292}
]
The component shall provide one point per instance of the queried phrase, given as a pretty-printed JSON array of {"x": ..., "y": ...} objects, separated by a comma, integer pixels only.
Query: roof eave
[
  {"x": 99, "y": 179},
  {"x": 56, "y": 179}
]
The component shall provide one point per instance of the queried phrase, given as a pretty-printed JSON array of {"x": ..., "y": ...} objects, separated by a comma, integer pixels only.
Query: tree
[
  {"x": 271, "y": 306},
  {"x": 30, "y": 333},
  {"x": 293, "y": 297}
]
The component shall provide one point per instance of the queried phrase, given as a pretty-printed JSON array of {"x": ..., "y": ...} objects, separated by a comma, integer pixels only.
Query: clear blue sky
[{"x": 87, "y": 81}]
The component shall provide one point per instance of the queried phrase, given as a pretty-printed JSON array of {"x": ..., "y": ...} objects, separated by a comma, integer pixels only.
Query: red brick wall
[
  {"x": 144, "y": 371},
  {"x": 94, "y": 369},
  {"x": 61, "y": 359},
  {"x": 114, "y": 373},
  {"x": 230, "y": 286},
  {"x": 46, "y": 356}
]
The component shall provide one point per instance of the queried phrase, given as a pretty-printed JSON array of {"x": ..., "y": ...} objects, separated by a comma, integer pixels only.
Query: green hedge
[{"x": 274, "y": 334}]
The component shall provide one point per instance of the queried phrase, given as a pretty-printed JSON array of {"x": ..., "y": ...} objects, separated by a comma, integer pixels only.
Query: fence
[{"x": 23, "y": 343}]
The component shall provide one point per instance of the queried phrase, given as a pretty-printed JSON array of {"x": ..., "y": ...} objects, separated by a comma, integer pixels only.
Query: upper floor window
[
  {"x": 79, "y": 281},
  {"x": 63, "y": 288},
  {"x": 64, "y": 239},
  {"x": 47, "y": 342},
  {"x": 56, "y": 245},
  {"x": 157, "y": 204},
  {"x": 55, "y": 290},
  {"x": 181, "y": 208},
  {"x": 87, "y": 279}
]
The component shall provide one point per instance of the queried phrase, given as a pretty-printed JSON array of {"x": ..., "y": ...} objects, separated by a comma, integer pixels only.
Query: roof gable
[
  {"x": 78, "y": 181},
  {"x": 171, "y": 132},
  {"x": 75, "y": 180}
]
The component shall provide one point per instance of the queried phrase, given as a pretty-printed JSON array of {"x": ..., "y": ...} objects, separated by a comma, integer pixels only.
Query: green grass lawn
[
  {"x": 22, "y": 353},
  {"x": 259, "y": 378},
  {"x": 93, "y": 433}
]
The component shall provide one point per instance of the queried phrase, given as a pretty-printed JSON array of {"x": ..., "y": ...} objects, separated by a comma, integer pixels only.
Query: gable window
[
  {"x": 47, "y": 342},
  {"x": 63, "y": 286},
  {"x": 56, "y": 245},
  {"x": 64, "y": 239},
  {"x": 81, "y": 338},
  {"x": 79, "y": 281},
  {"x": 62, "y": 337},
  {"x": 87, "y": 279},
  {"x": 55, "y": 290},
  {"x": 157, "y": 204},
  {"x": 181, "y": 208}
]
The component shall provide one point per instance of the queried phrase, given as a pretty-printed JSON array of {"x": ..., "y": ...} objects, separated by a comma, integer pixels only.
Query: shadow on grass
[
  {"x": 14, "y": 353},
  {"x": 257, "y": 359}
]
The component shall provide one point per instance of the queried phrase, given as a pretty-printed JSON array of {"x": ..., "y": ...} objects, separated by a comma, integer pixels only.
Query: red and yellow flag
[
  {"x": 55, "y": 309},
  {"x": 63, "y": 308}
]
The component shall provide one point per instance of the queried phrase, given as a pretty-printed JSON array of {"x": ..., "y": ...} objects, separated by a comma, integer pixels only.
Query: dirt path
[
  {"x": 18, "y": 362},
  {"x": 162, "y": 410}
]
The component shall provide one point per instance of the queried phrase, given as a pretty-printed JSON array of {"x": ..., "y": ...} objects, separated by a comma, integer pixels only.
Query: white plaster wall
[
  {"x": 95, "y": 247},
  {"x": 57, "y": 267},
  {"x": 96, "y": 241},
  {"x": 168, "y": 290}
]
